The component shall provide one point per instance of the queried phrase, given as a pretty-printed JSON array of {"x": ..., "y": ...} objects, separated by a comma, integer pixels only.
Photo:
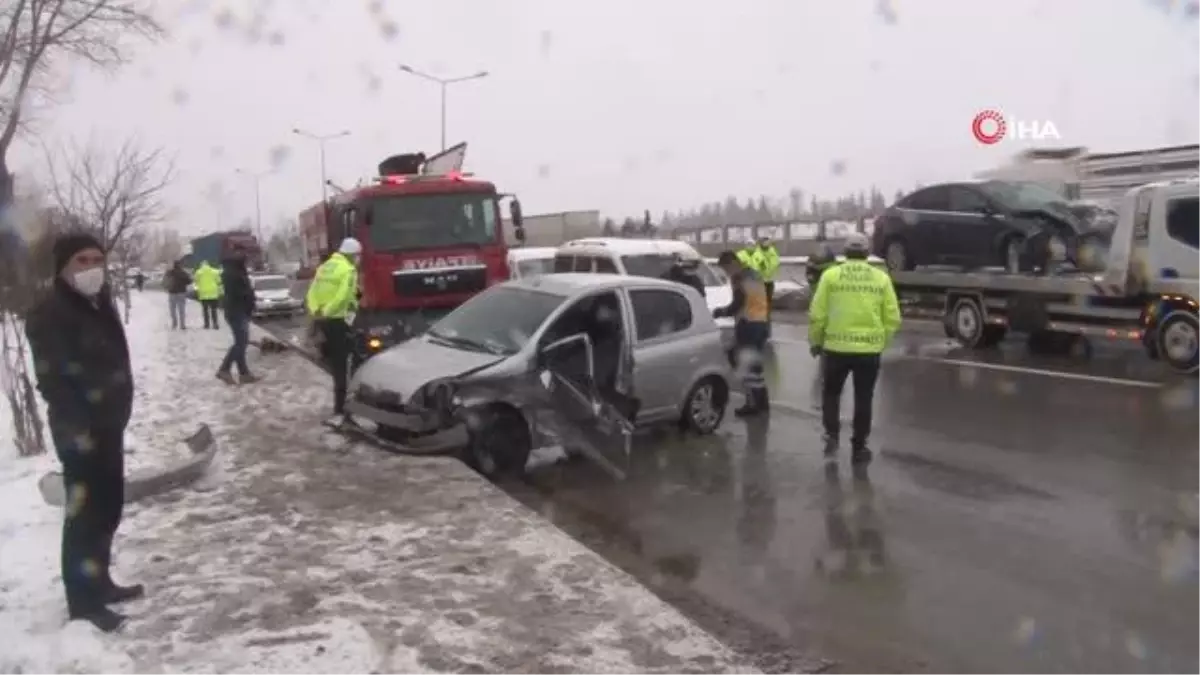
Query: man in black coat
[
  {"x": 82, "y": 362},
  {"x": 239, "y": 308}
]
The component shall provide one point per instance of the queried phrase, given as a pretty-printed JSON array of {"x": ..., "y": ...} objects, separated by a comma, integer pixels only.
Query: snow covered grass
[{"x": 304, "y": 553}]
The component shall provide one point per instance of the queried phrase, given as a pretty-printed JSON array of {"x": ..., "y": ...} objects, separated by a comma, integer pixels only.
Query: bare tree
[
  {"x": 118, "y": 195},
  {"x": 37, "y": 35},
  {"x": 114, "y": 193}
]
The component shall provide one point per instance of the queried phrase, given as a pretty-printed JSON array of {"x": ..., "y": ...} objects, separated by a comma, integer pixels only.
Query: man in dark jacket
[
  {"x": 239, "y": 308},
  {"x": 176, "y": 281},
  {"x": 82, "y": 362}
]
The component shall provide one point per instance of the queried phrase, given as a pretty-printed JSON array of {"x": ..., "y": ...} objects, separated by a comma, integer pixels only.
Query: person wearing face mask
[
  {"x": 81, "y": 359},
  {"x": 331, "y": 302}
]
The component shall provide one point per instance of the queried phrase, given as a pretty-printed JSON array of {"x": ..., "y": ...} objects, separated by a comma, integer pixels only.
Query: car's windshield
[
  {"x": 407, "y": 222},
  {"x": 499, "y": 321},
  {"x": 270, "y": 283},
  {"x": 532, "y": 267},
  {"x": 1026, "y": 196}
]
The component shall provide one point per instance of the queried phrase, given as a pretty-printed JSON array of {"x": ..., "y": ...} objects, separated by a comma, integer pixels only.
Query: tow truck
[
  {"x": 1145, "y": 289},
  {"x": 431, "y": 238}
]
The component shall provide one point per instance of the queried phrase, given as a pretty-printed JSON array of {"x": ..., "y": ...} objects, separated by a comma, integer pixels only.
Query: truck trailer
[
  {"x": 1146, "y": 289},
  {"x": 215, "y": 247}
]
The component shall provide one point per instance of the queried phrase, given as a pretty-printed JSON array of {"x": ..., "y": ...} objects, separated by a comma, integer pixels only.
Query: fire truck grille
[{"x": 417, "y": 283}]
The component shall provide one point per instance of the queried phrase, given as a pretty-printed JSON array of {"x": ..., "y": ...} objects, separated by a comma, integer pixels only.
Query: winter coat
[
  {"x": 239, "y": 292},
  {"x": 81, "y": 359}
]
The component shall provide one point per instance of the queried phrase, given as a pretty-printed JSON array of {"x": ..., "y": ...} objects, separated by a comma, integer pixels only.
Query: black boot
[
  {"x": 103, "y": 618},
  {"x": 860, "y": 455},
  {"x": 831, "y": 446},
  {"x": 118, "y": 594},
  {"x": 751, "y": 407}
]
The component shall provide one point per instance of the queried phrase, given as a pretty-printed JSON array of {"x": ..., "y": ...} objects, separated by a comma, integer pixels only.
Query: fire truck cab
[{"x": 431, "y": 238}]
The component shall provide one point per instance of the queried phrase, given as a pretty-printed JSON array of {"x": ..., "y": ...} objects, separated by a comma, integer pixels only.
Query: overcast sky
[{"x": 629, "y": 104}]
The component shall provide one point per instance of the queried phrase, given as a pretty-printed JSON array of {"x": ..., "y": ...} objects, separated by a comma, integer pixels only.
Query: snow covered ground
[{"x": 302, "y": 553}]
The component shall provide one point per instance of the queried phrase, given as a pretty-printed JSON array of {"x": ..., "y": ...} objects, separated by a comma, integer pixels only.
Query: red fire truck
[{"x": 431, "y": 237}]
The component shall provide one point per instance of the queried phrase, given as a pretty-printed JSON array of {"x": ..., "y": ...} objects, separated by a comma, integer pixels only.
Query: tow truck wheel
[
  {"x": 1178, "y": 337},
  {"x": 966, "y": 323},
  {"x": 499, "y": 442}
]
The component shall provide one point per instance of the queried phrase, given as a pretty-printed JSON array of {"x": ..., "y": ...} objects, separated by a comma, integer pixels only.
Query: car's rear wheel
[
  {"x": 499, "y": 442},
  {"x": 897, "y": 256},
  {"x": 1013, "y": 251},
  {"x": 704, "y": 406}
]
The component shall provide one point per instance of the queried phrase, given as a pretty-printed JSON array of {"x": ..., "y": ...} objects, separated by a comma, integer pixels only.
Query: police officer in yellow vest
[
  {"x": 750, "y": 308},
  {"x": 331, "y": 301},
  {"x": 766, "y": 263},
  {"x": 853, "y": 316}
]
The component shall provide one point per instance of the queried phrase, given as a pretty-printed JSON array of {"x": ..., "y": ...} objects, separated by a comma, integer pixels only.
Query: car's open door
[
  {"x": 561, "y": 396},
  {"x": 597, "y": 423}
]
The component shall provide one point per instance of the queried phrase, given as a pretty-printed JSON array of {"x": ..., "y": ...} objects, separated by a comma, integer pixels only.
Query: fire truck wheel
[
  {"x": 1178, "y": 337},
  {"x": 499, "y": 443}
]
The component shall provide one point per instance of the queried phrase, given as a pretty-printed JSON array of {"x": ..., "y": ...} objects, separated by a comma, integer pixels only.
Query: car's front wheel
[
  {"x": 499, "y": 441},
  {"x": 704, "y": 406}
]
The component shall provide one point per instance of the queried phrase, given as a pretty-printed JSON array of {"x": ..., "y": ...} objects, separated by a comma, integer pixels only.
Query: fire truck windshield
[{"x": 406, "y": 222}]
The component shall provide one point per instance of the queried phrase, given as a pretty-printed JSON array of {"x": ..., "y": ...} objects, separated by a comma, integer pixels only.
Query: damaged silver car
[{"x": 577, "y": 360}]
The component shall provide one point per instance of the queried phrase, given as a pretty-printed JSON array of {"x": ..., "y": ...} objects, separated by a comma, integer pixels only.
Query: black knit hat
[{"x": 67, "y": 245}]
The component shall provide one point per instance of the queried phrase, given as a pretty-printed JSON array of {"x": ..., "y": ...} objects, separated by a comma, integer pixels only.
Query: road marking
[{"x": 1038, "y": 371}]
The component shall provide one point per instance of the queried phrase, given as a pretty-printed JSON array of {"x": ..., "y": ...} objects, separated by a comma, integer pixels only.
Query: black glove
[{"x": 815, "y": 350}]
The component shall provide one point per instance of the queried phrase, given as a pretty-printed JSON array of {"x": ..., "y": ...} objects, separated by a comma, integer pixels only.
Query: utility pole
[
  {"x": 321, "y": 139},
  {"x": 443, "y": 83}
]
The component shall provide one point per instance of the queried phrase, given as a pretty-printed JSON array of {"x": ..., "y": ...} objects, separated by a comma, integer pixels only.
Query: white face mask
[{"x": 89, "y": 281}]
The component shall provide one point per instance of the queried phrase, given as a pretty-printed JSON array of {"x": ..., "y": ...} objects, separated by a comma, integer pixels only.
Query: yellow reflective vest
[
  {"x": 334, "y": 290},
  {"x": 854, "y": 310},
  {"x": 208, "y": 282}
]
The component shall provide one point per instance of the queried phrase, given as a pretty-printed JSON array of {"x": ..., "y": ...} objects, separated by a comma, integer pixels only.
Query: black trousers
[
  {"x": 863, "y": 369},
  {"x": 94, "y": 479},
  {"x": 336, "y": 348},
  {"x": 209, "y": 309}
]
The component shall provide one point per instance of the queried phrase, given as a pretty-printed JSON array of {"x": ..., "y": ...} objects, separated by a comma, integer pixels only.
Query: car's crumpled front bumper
[{"x": 410, "y": 428}]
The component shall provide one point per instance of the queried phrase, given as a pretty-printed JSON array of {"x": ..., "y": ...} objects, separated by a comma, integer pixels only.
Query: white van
[
  {"x": 530, "y": 262},
  {"x": 643, "y": 258}
]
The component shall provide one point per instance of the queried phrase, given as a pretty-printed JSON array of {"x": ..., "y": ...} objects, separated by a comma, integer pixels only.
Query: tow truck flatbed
[{"x": 1067, "y": 283}]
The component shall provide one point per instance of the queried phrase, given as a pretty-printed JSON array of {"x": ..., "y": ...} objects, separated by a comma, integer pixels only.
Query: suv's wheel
[
  {"x": 896, "y": 256},
  {"x": 1014, "y": 251},
  {"x": 499, "y": 442},
  {"x": 1178, "y": 337},
  {"x": 704, "y": 406}
]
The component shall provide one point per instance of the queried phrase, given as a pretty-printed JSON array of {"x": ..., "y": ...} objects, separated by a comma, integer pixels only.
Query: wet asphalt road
[{"x": 1020, "y": 515}]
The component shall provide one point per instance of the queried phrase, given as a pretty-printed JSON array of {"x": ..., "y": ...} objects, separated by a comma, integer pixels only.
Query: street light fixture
[
  {"x": 321, "y": 139},
  {"x": 443, "y": 83},
  {"x": 257, "y": 178}
]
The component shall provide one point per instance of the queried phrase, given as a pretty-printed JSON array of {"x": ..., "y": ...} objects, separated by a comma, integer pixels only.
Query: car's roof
[
  {"x": 621, "y": 246},
  {"x": 571, "y": 283},
  {"x": 532, "y": 253}
]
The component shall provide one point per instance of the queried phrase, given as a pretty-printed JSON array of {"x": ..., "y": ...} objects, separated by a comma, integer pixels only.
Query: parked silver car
[{"x": 578, "y": 359}]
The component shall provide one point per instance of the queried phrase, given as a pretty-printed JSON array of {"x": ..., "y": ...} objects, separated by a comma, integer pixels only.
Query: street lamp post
[
  {"x": 257, "y": 178},
  {"x": 443, "y": 83},
  {"x": 321, "y": 139}
]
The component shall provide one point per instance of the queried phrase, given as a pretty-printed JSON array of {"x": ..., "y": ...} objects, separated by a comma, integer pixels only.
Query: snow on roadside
[{"x": 306, "y": 554}]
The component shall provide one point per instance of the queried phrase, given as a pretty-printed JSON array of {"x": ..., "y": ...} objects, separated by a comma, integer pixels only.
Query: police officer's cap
[{"x": 856, "y": 243}]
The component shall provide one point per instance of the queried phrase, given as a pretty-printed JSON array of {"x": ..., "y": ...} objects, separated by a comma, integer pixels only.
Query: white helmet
[{"x": 350, "y": 246}]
